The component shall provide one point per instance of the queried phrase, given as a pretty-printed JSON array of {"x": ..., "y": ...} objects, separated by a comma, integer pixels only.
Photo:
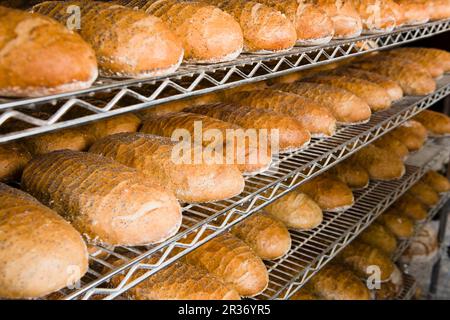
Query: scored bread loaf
[
  {"x": 207, "y": 33},
  {"x": 318, "y": 120},
  {"x": 13, "y": 158},
  {"x": 432, "y": 66},
  {"x": 154, "y": 157},
  {"x": 264, "y": 28},
  {"x": 400, "y": 225},
  {"x": 352, "y": 174},
  {"x": 375, "y": 15},
  {"x": 437, "y": 181},
  {"x": 230, "y": 259},
  {"x": 379, "y": 163},
  {"x": 40, "y": 57},
  {"x": 414, "y": 11},
  {"x": 330, "y": 193},
  {"x": 436, "y": 123},
  {"x": 251, "y": 158},
  {"x": 379, "y": 237},
  {"x": 346, "y": 107},
  {"x": 392, "y": 145},
  {"x": 290, "y": 132},
  {"x": 296, "y": 210},
  {"x": 411, "y": 207},
  {"x": 40, "y": 252},
  {"x": 424, "y": 193},
  {"x": 106, "y": 201},
  {"x": 124, "y": 123},
  {"x": 411, "y": 133},
  {"x": 267, "y": 236}
]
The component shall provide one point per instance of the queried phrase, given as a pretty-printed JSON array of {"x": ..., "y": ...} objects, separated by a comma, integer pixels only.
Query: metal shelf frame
[
  {"x": 109, "y": 97},
  {"x": 409, "y": 288}
]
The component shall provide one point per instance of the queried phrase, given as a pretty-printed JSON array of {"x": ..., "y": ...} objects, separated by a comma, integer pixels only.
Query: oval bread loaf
[
  {"x": 400, "y": 225},
  {"x": 411, "y": 133},
  {"x": 411, "y": 207},
  {"x": 424, "y": 193},
  {"x": 120, "y": 124},
  {"x": 437, "y": 181},
  {"x": 352, "y": 174},
  {"x": 436, "y": 123},
  {"x": 392, "y": 145},
  {"x": 375, "y": 16},
  {"x": 415, "y": 12},
  {"x": 431, "y": 65},
  {"x": 13, "y": 158},
  {"x": 379, "y": 237}
]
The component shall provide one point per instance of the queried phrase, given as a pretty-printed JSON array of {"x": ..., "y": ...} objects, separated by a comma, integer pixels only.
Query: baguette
[
  {"x": 318, "y": 120},
  {"x": 250, "y": 159},
  {"x": 153, "y": 156},
  {"x": 424, "y": 193},
  {"x": 296, "y": 210},
  {"x": 376, "y": 17},
  {"x": 40, "y": 57},
  {"x": 432, "y": 66},
  {"x": 263, "y": 27},
  {"x": 400, "y": 225},
  {"x": 411, "y": 207},
  {"x": 208, "y": 34},
  {"x": 330, "y": 193},
  {"x": 380, "y": 237},
  {"x": 352, "y": 174},
  {"x": 137, "y": 45},
  {"x": 437, "y": 181},
  {"x": 415, "y": 12},
  {"x": 291, "y": 133},
  {"x": 436, "y": 123},
  {"x": 411, "y": 133},
  {"x": 13, "y": 158},
  {"x": 267, "y": 236},
  {"x": 124, "y": 123},
  {"x": 392, "y": 145},
  {"x": 230, "y": 259},
  {"x": 346, "y": 107},
  {"x": 106, "y": 201},
  {"x": 40, "y": 252}
]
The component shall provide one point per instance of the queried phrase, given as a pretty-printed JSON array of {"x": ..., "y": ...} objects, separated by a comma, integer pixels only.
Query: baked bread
[
  {"x": 267, "y": 236},
  {"x": 296, "y": 210},
  {"x": 411, "y": 133},
  {"x": 379, "y": 163},
  {"x": 376, "y": 17},
  {"x": 13, "y": 158},
  {"x": 392, "y": 145},
  {"x": 318, "y": 120},
  {"x": 380, "y": 237},
  {"x": 431, "y": 65},
  {"x": 438, "y": 9},
  {"x": 440, "y": 56},
  {"x": 305, "y": 294},
  {"x": 40, "y": 252},
  {"x": 251, "y": 158},
  {"x": 291, "y": 133},
  {"x": 106, "y": 201},
  {"x": 423, "y": 246},
  {"x": 415, "y": 12},
  {"x": 330, "y": 193},
  {"x": 208, "y": 34},
  {"x": 411, "y": 207},
  {"x": 40, "y": 57},
  {"x": 437, "y": 181},
  {"x": 436, "y": 123},
  {"x": 119, "y": 124},
  {"x": 230, "y": 259},
  {"x": 397, "y": 10},
  {"x": 387, "y": 291},
  {"x": 350, "y": 173},
  {"x": 153, "y": 156},
  {"x": 424, "y": 193},
  {"x": 400, "y": 225},
  {"x": 346, "y": 107}
]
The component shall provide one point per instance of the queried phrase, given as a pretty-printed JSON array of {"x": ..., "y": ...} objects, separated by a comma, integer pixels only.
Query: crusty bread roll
[
  {"x": 106, "y": 201},
  {"x": 264, "y": 28},
  {"x": 400, "y": 225},
  {"x": 330, "y": 193},
  {"x": 136, "y": 45},
  {"x": 431, "y": 65},
  {"x": 250, "y": 158},
  {"x": 179, "y": 281},
  {"x": 411, "y": 207},
  {"x": 379, "y": 163},
  {"x": 375, "y": 15},
  {"x": 40, "y": 252},
  {"x": 437, "y": 124},
  {"x": 346, "y": 107},
  {"x": 291, "y": 133},
  {"x": 267, "y": 236},
  {"x": 424, "y": 193},
  {"x": 438, "y": 9},
  {"x": 437, "y": 181},
  {"x": 318, "y": 120},
  {"x": 313, "y": 25},
  {"x": 305, "y": 294},
  {"x": 379, "y": 237},
  {"x": 392, "y": 145},
  {"x": 40, "y": 57},
  {"x": 411, "y": 133},
  {"x": 123, "y": 123},
  {"x": 296, "y": 210},
  {"x": 13, "y": 158},
  {"x": 153, "y": 156},
  {"x": 414, "y": 11},
  {"x": 350, "y": 173},
  {"x": 230, "y": 259},
  {"x": 207, "y": 33}
]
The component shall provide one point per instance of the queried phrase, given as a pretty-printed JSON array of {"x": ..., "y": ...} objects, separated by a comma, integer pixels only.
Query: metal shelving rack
[{"x": 409, "y": 288}]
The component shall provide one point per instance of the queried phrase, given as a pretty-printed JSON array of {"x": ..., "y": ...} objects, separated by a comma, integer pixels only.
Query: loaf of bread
[
  {"x": 119, "y": 124},
  {"x": 312, "y": 24},
  {"x": 13, "y": 158},
  {"x": 230, "y": 259},
  {"x": 411, "y": 207},
  {"x": 179, "y": 281},
  {"x": 400, "y": 225},
  {"x": 350, "y": 173},
  {"x": 424, "y": 193},
  {"x": 40, "y": 57},
  {"x": 40, "y": 252},
  {"x": 330, "y": 193},
  {"x": 411, "y": 133},
  {"x": 291, "y": 135},
  {"x": 424, "y": 245},
  {"x": 431, "y": 65},
  {"x": 318, "y": 120},
  {"x": 250, "y": 157},
  {"x": 397, "y": 10},
  {"x": 414, "y": 11},
  {"x": 153, "y": 156},
  {"x": 392, "y": 145},
  {"x": 207, "y": 33},
  {"x": 267, "y": 236},
  {"x": 438, "y": 56},
  {"x": 305, "y": 294},
  {"x": 436, "y": 123},
  {"x": 380, "y": 237},
  {"x": 296, "y": 210},
  {"x": 376, "y": 17},
  {"x": 437, "y": 181},
  {"x": 438, "y": 9},
  {"x": 106, "y": 201},
  {"x": 387, "y": 291},
  {"x": 379, "y": 163},
  {"x": 346, "y": 107}
]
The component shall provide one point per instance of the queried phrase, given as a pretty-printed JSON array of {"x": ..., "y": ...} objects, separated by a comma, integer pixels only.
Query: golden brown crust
[
  {"x": 440, "y": 56},
  {"x": 392, "y": 145},
  {"x": 414, "y": 11},
  {"x": 13, "y": 158},
  {"x": 106, "y": 201},
  {"x": 350, "y": 173},
  {"x": 379, "y": 237},
  {"x": 437, "y": 181},
  {"x": 411, "y": 133},
  {"x": 431, "y": 65},
  {"x": 411, "y": 207},
  {"x": 375, "y": 15},
  {"x": 424, "y": 193},
  {"x": 436, "y": 123},
  {"x": 304, "y": 294},
  {"x": 397, "y": 10},
  {"x": 40, "y": 252},
  {"x": 123, "y": 123},
  {"x": 400, "y": 225},
  {"x": 438, "y": 9}
]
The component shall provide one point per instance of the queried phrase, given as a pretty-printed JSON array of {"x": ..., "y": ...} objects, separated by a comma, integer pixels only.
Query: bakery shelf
[
  {"x": 202, "y": 222},
  {"x": 409, "y": 288},
  {"x": 109, "y": 97}
]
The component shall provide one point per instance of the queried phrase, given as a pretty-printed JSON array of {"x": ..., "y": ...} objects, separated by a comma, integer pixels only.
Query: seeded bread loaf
[
  {"x": 437, "y": 181},
  {"x": 436, "y": 123},
  {"x": 13, "y": 158}
]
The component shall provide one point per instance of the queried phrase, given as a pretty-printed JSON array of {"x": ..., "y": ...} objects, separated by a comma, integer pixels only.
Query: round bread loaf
[
  {"x": 13, "y": 158},
  {"x": 411, "y": 133},
  {"x": 415, "y": 12}
]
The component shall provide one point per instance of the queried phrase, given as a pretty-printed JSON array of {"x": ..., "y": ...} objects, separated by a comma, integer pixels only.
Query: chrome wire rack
[
  {"x": 202, "y": 222},
  {"x": 409, "y": 288},
  {"x": 109, "y": 97}
]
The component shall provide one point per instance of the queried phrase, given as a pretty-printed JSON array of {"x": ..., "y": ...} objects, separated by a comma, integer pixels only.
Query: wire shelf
[
  {"x": 409, "y": 288},
  {"x": 109, "y": 97}
]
